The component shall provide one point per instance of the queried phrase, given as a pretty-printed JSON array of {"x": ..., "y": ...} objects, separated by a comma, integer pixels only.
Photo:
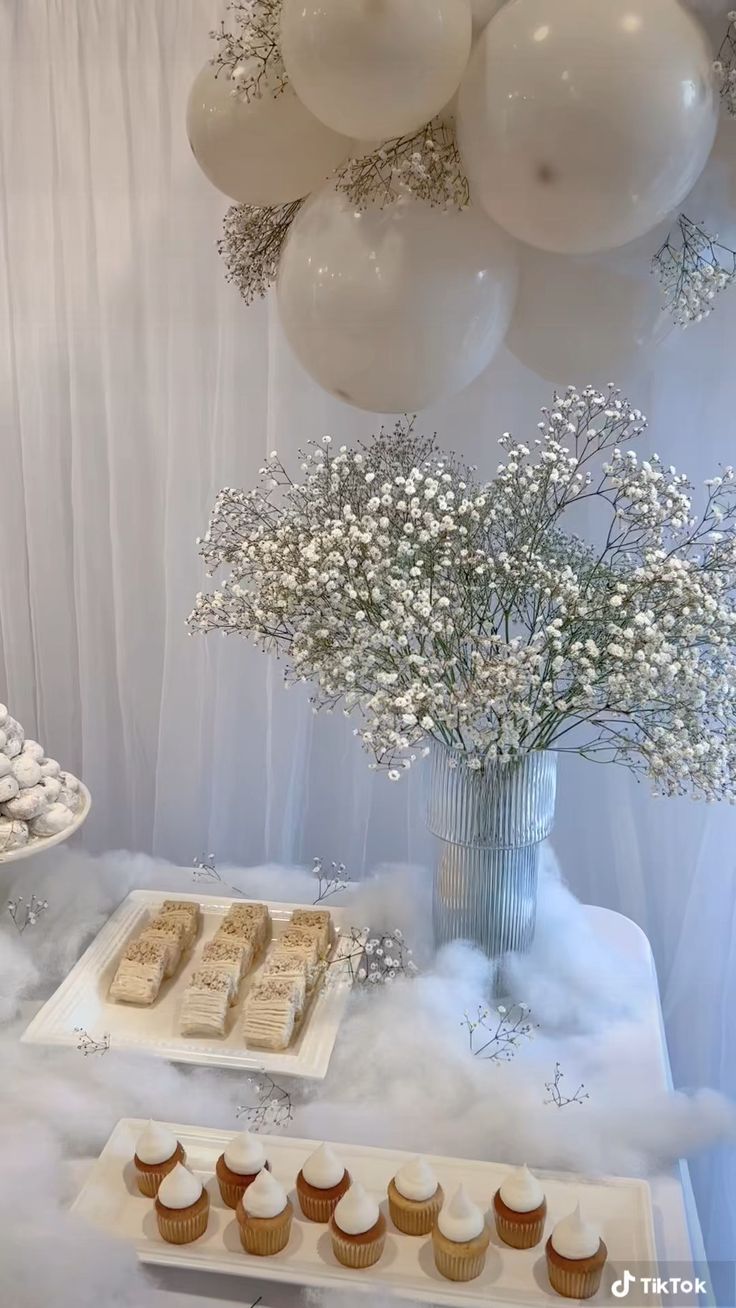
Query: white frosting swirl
[
  {"x": 356, "y": 1212},
  {"x": 460, "y": 1219},
  {"x": 323, "y": 1168},
  {"x": 266, "y": 1197},
  {"x": 156, "y": 1144},
  {"x": 416, "y": 1180},
  {"x": 521, "y": 1191},
  {"x": 573, "y": 1237},
  {"x": 244, "y": 1154},
  {"x": 180, "y": 1189}
]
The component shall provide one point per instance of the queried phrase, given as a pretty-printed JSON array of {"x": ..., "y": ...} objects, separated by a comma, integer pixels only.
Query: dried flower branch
[
  {"x": 376, "y": 960},
  {"x": 273, "y": 1109},
  {"x": 555, "y": 1092},
  {"x": 26, "y": 917},
  {"x": 252, "y": 243},
  {"x": 725, "y": 65},
  {"x": 503, "y": 1031},
  {"x": 206, "y": 870},
  {"x": 435, "y": 607},
  {"x": 329, "y": 885},
  {"x": 249, "y": 50},
  {"x": 88, "y": 1045},
  {"x": 425, "y": 165},
  {"x": 693, "y": 267}
]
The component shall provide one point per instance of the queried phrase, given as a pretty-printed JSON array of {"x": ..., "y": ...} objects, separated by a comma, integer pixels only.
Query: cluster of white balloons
[{"x": 582, "y": 124}]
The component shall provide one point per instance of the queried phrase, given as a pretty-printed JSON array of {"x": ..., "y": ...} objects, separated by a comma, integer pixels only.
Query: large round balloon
[
  {"x": 582, "y": 123},
  {"x": 483, "y": 11},
  {"x": 268, "y": 150},
  {"x": 375, "y": 68},
  {"x": 580, "y": 319},
  {"x": 391, "y": 309}
]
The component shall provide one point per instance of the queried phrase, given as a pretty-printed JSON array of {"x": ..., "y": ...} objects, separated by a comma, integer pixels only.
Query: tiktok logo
[{"x": 621, "y": 1288}]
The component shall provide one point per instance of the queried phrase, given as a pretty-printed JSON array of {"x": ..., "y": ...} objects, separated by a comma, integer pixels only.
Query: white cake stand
[{"x": 38, "y": 844}]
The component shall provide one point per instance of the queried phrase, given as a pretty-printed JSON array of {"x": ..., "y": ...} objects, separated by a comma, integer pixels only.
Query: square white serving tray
[
  {"x": 82, "y": 1001},
  {"x": 622, "y": 1208}
]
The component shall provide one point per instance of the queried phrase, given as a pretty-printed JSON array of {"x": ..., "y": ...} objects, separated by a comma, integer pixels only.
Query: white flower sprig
[
  {"x": 501, "y": 1032},
  {"x": 424, "y": 166},
  {"x": 251, "y": 245},
  {"x": 439, "y": 608},
  {"x": 249, "y": 48},
  {"x": 693, "y": 267},
  {"x": 725, "y": 65},
  {"x": 557, "y": 1095}
]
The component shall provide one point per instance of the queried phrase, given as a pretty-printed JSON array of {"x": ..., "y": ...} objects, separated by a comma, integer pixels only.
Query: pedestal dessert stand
[{"x": 39, "y": 844}]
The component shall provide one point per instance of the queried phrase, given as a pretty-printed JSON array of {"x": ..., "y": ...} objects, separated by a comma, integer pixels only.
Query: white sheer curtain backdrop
[{"x": 133, "y": 384}]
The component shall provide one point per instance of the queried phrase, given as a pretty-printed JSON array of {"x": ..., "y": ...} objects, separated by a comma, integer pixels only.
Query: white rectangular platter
[
  {"x": 82, "y": 1001},
  {"x": 512, "y": 1278}
]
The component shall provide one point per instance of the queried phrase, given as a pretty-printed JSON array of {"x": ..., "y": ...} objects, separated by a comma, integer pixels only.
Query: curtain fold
[{"x": 133, "y": 385}]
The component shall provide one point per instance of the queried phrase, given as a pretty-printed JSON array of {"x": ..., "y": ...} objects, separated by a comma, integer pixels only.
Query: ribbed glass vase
[{"x": 491, "y": 824}]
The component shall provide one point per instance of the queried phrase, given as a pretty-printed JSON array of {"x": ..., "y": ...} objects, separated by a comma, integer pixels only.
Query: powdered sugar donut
[
  {"x": 13, "y": 834},
  {"x": 5, "y": 765},
  {"x": 13, "y": 746},
  {"x": 27, "y": 804},
  {"x": 8, "y": 788},
  {"x": 26, "y": 771},
  {"x": 56, "y": 818},
  {"x": 33, "y": 749},
  {"x": 3, "y": 739},
  {"x": 52, "y": 788},
  {"x": 69, "y": 780},
  {"x": 49, "y": 767}
]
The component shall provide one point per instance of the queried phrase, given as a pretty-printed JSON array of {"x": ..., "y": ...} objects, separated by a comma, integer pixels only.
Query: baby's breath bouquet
[{"x": 433, "y": 606}]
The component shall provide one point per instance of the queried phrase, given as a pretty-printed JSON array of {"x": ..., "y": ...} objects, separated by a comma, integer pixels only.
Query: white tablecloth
[{"x": 677, "y": 1230}]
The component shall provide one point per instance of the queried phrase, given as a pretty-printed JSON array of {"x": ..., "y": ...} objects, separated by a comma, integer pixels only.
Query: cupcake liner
[
  {"x": 458, "y": 1266},
  {"x": 352, "y": 1254},
  {"x": 150, "y": 1180},
  {"x": 519, "y": 1235},
  {"x": 415, "y": 1218},
  {"x": 263, "y": 1239},
  {"x": 319, "y": 1209},
  {"x": 572, "y": 1283},
  {"x": 231, "y": 1191},
  {"x": 184, "y": 1225}
]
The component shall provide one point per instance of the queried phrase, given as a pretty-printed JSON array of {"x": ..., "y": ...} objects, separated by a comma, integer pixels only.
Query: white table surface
[{"x": 677, "y": 1229}]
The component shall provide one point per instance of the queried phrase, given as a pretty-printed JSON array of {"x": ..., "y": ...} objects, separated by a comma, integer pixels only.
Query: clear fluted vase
[{"x": 491, "y": 824}]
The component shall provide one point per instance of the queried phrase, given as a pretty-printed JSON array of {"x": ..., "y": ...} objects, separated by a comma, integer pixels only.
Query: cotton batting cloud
[{"x": 402, "y": 1074}]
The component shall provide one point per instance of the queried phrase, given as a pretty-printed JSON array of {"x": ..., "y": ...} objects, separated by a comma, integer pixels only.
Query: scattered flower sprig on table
[
  {"x": 251, "y": 245},
  {"x": 273, "y": 1109},
  {"x": 424, "y": 166},
  {"x": 693, "y": 267},
  {"x": 502, "y": 1031},
  {"x": 205, "y": 870},
  {"x": 376, "y": 960},
  {"x": 331, "y": 884},
  {"x": 24, "y": 917},
  {"x": 437, "y": 607},
  {"x": 556, "y": 1095},
  {"x": 725, "y": 65},
  {"x": 88, "y": 1045},
  {"x": 249, "y": 48}
]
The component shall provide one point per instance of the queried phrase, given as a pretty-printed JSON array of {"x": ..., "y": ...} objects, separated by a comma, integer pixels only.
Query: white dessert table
[{"x": 677, "y": 1229}]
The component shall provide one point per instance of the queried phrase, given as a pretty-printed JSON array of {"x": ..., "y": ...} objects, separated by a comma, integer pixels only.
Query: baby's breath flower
[{"x": 516, "y": 636}]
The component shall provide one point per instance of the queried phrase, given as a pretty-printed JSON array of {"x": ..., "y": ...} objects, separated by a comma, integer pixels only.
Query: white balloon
[
  {"x": 268, "y": 150},
  {"x": 582, "y": 123},
  {"x": 375, "y": 68},
  {"x": 392, "y": 309},
  {"x": 580, "y": 319},
  {"x": 483, "y": 11}
]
